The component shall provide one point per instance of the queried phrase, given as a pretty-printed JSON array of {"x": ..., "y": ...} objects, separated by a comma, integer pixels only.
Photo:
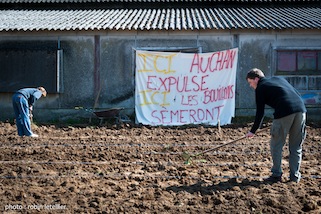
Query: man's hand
[
  {"x": 30, "y": 113},
  {"x": 249, "y": 134}
]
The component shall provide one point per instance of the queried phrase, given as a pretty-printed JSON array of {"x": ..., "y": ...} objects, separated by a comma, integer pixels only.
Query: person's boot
[{"x": 273, "y": 179}]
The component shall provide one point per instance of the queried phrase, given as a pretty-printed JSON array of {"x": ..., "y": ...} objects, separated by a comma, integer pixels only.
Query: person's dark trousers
[{"x": 21, "y": 110}]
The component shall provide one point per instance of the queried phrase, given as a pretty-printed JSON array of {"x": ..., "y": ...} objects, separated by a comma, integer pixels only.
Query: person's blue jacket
[{"x": 31, "y": 94}]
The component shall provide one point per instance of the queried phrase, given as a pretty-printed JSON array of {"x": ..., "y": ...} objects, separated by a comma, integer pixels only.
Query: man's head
[
  {"x": 253, "y": 77},
  {"x": 43, "y": 91}
]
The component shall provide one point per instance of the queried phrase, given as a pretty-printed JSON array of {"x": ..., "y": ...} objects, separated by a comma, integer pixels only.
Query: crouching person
[{"x": 23, "y": 101}]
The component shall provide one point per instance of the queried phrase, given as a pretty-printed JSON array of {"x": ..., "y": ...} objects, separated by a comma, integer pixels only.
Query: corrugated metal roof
[
  {"x": 152, "y": 1},
  {"x": 162, "y": 19}
]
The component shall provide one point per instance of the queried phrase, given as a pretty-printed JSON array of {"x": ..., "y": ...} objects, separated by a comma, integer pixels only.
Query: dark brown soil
[{"x": 130, "y": 169}]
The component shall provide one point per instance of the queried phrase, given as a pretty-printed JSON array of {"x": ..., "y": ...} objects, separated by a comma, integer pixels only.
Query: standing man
[
  {"x": 289, "y": 119},
  {"x": 23, "y": 101}
]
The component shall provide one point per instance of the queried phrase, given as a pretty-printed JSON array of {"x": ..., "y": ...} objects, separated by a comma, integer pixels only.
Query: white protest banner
[{"x": 183, "y": 88}]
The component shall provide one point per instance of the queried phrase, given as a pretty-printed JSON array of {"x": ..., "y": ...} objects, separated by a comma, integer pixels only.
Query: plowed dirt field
[{"x": 140, "y": 169}]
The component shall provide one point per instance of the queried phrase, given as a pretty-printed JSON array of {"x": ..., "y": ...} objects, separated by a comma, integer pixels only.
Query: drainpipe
[{"x": 97, "y": 84}]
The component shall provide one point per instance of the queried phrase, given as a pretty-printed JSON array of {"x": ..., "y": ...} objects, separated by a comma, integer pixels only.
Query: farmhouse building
[{"x": 83, "y": 51}]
